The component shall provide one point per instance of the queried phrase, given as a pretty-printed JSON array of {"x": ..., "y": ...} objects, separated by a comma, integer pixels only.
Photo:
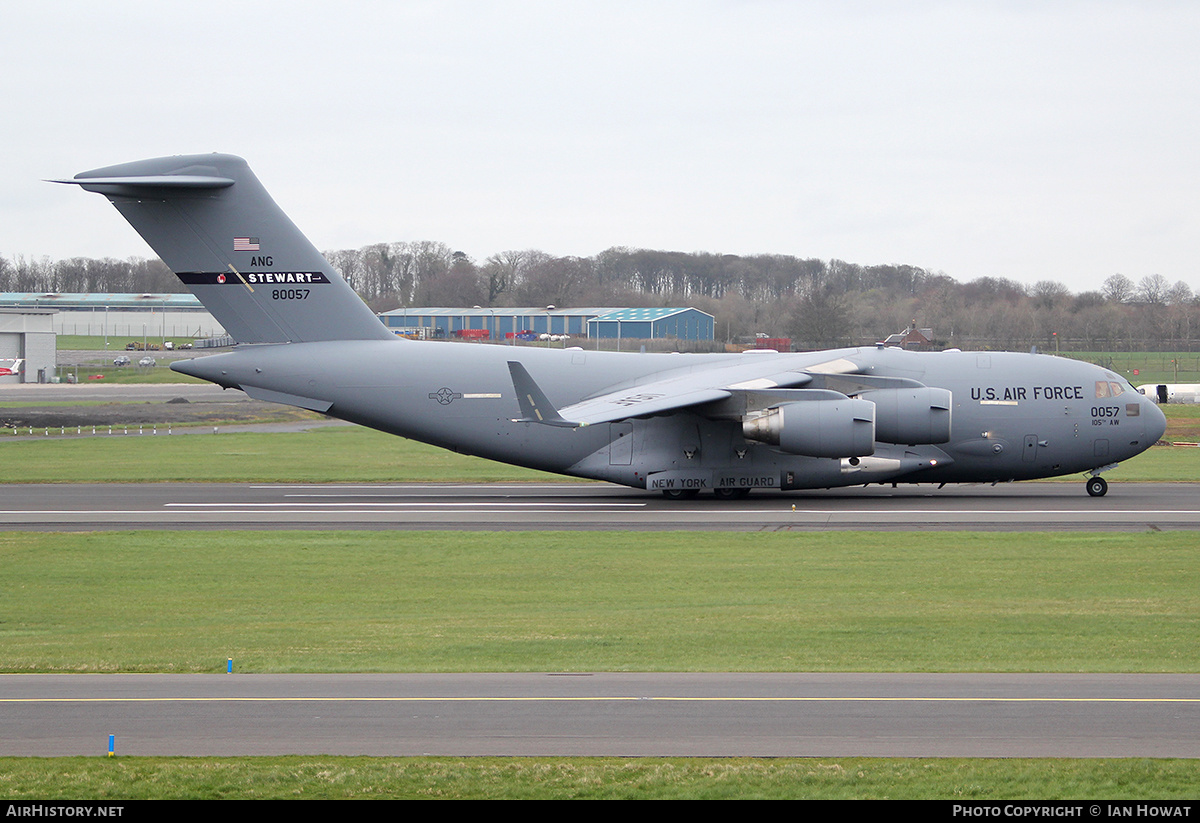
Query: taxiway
[{"x": 616, "y": 714}]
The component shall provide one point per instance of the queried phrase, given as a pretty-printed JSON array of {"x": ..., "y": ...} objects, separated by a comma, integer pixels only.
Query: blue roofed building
[
  {"x": 653, "y": 324},
  {"x": 590, "y": 322}
]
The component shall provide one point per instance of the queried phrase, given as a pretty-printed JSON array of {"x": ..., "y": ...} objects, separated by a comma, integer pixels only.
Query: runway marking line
[
  {"x": 251, "y": 512},
  {"x": 599, "y": 699},
  {"x": 483, "y": 488},
  {"x": 487, "y": 508},
  {"x": 401, "y": 504}
]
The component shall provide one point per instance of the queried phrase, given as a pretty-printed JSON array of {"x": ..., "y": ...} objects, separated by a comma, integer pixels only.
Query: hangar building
[
  {"x": 653, "y": 324},
  {"x": 591, "y": 322},
  {"x": 27, "y": 334},
  {"x": 121, "y": 315}
]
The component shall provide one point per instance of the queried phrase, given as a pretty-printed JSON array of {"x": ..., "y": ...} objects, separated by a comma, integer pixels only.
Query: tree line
[
  {"x": 818, "y": 303},
  {"x": 87, "y": 275}
]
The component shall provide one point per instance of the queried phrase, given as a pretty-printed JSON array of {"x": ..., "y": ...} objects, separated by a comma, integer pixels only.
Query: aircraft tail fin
[{"x": 212, "y": 222}]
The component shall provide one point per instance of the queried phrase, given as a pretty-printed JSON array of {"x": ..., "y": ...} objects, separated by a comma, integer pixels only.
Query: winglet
[{"x": 535, "y": 406}]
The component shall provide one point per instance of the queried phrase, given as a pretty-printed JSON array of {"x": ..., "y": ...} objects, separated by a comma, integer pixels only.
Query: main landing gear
[
  {"x": 731, "y": 494},
  {"x": 1097, "y": 486},
  {"x": 720, "y": 494},
  {"x": 680, "y": 494}
]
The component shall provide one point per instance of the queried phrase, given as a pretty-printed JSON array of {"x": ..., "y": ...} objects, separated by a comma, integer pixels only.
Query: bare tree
[
  {"x": 1152, "y": 289},
  {"x": 502, "y": 272},
  {"x": 1118, "y": 289},
  {"x": 1049, "y": 294},
  {"x": 1179, "y": 294}
]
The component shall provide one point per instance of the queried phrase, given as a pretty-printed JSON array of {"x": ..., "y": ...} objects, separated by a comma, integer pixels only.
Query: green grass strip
[
  {"x": 186, "y": 601},
  {"x": 129, "y": 374},
  {"x": 448, "y": 778},
  {"x": 331, "y": 455}
]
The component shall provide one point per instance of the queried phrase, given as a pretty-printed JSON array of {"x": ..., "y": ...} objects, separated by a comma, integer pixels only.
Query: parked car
[
  {"x": 121, "y": 361},
  {"x": 147, "y": 361}
]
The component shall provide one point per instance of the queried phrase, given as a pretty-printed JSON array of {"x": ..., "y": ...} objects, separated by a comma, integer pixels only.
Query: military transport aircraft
[{"x": 679, "y": 424}]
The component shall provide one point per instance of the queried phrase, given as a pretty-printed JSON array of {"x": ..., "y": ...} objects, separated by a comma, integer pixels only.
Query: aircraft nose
[{"x": 1156, "y": 421}]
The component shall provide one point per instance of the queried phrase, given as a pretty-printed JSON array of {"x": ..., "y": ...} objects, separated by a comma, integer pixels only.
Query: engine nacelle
[
  {"x": 817, "y": 428},
  {"x": 911, "y": 416}
]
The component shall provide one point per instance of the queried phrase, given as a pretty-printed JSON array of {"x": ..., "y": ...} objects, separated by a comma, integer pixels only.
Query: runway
[
  {"x": 592, "y": 506},
  {"x": 614, "y": 714}
]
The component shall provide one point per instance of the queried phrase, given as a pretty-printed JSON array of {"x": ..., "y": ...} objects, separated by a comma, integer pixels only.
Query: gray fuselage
[{"x": 1014, "y": 416}]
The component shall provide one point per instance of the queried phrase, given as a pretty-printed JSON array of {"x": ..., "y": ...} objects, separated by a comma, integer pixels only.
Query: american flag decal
[{"x": 245, "y": 244}]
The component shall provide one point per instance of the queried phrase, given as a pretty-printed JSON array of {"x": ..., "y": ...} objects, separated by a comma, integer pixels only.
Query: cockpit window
[
  {"x": 1115, "y": 389},
  {"x": 1102, "y": 388}
]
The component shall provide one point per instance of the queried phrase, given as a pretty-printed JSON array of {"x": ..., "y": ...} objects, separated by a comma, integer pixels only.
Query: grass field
[
  {"x": 186, "y": 601},
  {"x": 130, "y": 374},
  {"x": 440, "y": 778},
  {"x": 116, "y": 343},
  {"x": 335, "y": 455},
  {"x": 1146, "y": 367}
]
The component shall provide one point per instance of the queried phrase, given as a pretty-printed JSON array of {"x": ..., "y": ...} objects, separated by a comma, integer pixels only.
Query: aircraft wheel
[
  {"x": 730, "y": 494},
  {"x": 1097, "y": 487},
  {"x": 680, "y": 494}
]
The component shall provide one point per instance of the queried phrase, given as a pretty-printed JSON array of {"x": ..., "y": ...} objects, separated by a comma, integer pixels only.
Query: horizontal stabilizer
[{"x": 119, "y": 185}]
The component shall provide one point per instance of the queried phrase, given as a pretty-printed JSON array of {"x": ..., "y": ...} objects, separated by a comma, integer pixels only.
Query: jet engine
[
  {"x": 911, "y": 416},
  {"x": 817, "y": 428}
]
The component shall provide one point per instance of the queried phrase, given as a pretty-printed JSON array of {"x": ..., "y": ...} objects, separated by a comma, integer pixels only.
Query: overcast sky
[{"x": 1027, "y": 140}]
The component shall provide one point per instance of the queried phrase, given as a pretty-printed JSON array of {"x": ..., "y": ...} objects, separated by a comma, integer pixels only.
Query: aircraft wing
[
  {"x": 637, "y": 401},
  {"x": 696, "y": 387}
]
